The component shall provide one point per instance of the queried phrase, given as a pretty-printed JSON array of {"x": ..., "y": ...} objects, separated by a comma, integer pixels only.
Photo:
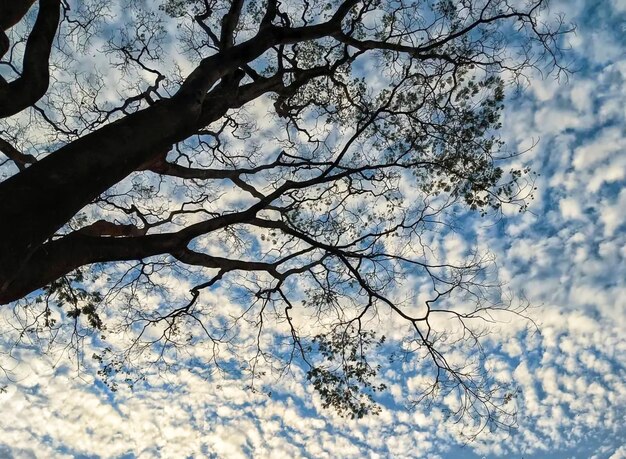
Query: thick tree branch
[
  {"x": 229, "y": 24},
  {"x": 191, "y": 257},
  {"x": 20, "y": 159},
  {"x": 33, "y": 83},
  {"x": 106, "y": 228},
  {"x": 11, "y": 12}
]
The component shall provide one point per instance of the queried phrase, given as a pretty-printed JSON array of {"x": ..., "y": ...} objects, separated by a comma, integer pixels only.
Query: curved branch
[
  {"x": 33, "y": 83},
  {"x": 11, "y": 12}
]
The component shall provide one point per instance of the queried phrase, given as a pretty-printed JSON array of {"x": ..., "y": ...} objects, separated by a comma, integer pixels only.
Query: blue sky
[{"x": 567, "y": 255}]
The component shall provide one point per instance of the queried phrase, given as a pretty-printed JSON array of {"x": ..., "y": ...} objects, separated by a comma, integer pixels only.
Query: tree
[{"x": 302, "y": 153}]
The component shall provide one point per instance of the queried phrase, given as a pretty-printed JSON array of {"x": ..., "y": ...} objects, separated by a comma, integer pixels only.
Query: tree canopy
[{"x": 301, "y": 156}]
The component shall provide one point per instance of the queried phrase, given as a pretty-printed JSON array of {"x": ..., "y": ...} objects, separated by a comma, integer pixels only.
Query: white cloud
[
  {"x": 619, "y": 5},
  {"x": 610, "y": 141},
  {"x": 612, "y": 214},
  {"x": 570, "y": 208}
]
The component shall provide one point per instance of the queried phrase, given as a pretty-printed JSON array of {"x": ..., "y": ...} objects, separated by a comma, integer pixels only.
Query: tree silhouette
[{"x": 302, "y": 154}]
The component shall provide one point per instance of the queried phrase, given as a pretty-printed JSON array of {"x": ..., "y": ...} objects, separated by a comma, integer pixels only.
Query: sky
[{"x": 566, "y": 255}]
